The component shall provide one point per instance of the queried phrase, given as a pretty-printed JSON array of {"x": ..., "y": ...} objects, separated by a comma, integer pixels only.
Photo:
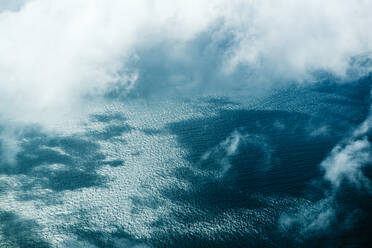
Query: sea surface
[{"x": 192, "y": 171}]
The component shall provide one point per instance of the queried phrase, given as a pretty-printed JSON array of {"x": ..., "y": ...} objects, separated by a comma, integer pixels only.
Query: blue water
[{"x": 273, "y": 170}]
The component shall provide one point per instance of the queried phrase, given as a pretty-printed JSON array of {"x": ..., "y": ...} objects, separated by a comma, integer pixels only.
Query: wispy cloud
[
  {"x": 343, "y": 166},
  {"x": 346, "y": 163},
  {"x": 223, "y": 153}
]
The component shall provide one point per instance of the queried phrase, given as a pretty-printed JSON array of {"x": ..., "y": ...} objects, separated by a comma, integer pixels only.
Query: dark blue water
[{"x": 293, "y": 168}]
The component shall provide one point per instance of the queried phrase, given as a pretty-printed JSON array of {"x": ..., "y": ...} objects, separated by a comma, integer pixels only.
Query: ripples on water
[{"x": 202, "y": 172}]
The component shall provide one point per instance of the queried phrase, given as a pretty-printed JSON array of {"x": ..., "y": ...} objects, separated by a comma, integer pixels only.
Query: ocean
[{"x": 195, "y": 171}]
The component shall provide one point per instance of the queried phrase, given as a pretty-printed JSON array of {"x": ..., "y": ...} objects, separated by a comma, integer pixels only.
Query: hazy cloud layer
[
  {"x": 56, "y": 52},
  {"x": 289, "y": 39}
]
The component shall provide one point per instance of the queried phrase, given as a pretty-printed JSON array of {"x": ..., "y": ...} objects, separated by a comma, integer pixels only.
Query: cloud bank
[
  {"x": 291, "y": 38},
  {"x": 55, "y": 53}
]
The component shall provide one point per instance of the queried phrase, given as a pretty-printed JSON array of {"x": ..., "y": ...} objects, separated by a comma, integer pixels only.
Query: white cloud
[
  {"x": 347, "y": 162},
  {"x": 347, "y": 159},
  {"x": 287, "y": 39},
  {"x": 54, "y": 53}
]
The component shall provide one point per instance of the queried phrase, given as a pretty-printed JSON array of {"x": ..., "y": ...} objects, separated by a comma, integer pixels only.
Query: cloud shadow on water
[
  {"x": 57, "y": 162},
  {"x": 60, "y": 162},
  {"x": 19, "y": 232}
]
